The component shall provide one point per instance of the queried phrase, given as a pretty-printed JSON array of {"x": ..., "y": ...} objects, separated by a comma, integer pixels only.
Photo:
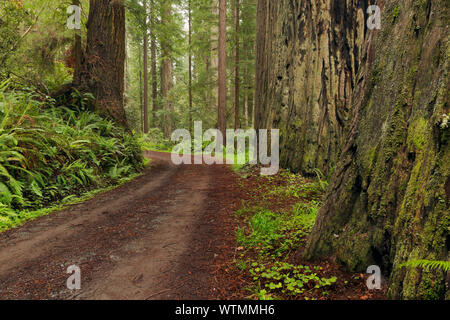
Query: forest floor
[{"x": 169, "y": 234}]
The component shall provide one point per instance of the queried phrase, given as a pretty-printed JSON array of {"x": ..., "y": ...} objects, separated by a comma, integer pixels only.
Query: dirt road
[{"x": 157, "y": 237}]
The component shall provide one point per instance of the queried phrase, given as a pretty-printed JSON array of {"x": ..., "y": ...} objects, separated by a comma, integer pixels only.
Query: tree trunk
[
  {"x": 261, "y": 64},
  {"x": 214, "y": 56},
  {"x": 166, "y": 72},
  {"x": 370, "y": 106},
  {"x": 246, "y": 108},
  {"x": 153, "y": 62},
  {"x": 237, "y": 79},
  {"x": 222, "y": 107},
  {"x": 190, "y": 67},
  {"x": 78, "y": 53},
  {"x": 247, "y": 84},
  {"x": 102, "y": 72},
  {"x": 141, "y": 98},
  {"x": 145, "y": 70}
]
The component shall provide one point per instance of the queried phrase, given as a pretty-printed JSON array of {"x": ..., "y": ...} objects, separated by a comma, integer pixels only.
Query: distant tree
[
  {"x": 167, "y": 69},
  {"x": 153, "y": 62},
  {"x": 222, "y": 106},
  {"x": 146, "y": 127},
  {"x": 237, "y": 77}
]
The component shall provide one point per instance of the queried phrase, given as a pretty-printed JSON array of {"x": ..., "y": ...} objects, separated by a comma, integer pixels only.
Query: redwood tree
[
  {"x": 145, "y": 70},
  {"x": 166, "y": 70},
  {"x": 153, "y": 63},
  {"x": 222, "y": 121},
  {"x": 237, "y": 79},
  {"x": 102, "y": 71}
]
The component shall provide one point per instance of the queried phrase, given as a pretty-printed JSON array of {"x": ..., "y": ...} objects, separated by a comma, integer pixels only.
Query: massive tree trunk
[
  {"x": 308, "y": 55},
  {"x": 78, "y": 52},
  {"x": 381, "y": 105},
  {"x": 103, "y": 68},
  {"x": 222, "y": 103}
]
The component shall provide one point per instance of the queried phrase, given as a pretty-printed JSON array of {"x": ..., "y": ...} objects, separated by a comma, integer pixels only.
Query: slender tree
[
  {"x": 214, "y": 55},
  {"x": 145, "y": 68},
  {"x": 190, "y": 65},
  {"x": 153, "y": 63},
  {"x": 166, "y": 70},
  {"x": 78, "y": 52},
  {"x": 237, "y": 79},
  {"x": 222, "y": 107},
  {"x": 261, "y": 72}
]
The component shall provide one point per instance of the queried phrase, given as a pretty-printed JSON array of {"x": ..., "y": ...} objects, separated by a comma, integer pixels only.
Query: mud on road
[{"x": 160, "y": 236}]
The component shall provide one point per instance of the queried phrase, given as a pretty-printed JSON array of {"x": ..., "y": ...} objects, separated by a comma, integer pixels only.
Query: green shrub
[
  {"x": 277, "y": 234},
  {"x": 287, "y": 279}
]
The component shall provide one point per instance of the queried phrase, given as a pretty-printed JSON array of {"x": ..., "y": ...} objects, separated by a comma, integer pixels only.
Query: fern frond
[{"x": 427, "y": 265}]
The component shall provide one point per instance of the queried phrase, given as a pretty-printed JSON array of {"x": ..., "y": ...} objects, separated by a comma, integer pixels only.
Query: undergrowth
[
  {"x": 51, "y": 154},
  {"x": 270, "y": 234}
]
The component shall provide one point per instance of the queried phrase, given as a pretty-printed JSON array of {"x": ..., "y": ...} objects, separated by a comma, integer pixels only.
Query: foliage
[
  {"x": 156, "y": 141},
  {"x": 273, "y": 225},
  {"x": 300, "y": 188},
  {"x": 277, "y": 234},
  {"x": 36, "y": 45},
  {"x": 49, "y": 153},
  {"x": 285, "y": 278}
]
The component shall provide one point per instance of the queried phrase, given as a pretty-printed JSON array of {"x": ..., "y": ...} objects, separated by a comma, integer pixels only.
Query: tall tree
[
  {"x": 141, "y": 96},
  {"x": 261, "y": 72},
  {"x": 222, "y": 107},
  {"x": 190, "y": 64},
  {"x": 153, "y": 62},
  {"x": 78, "y": 52},
  {"x": 145, "y": 68},
  {"x": 166, "y": 70},
  {"x": 214, "y": 54},
  {"x": 102, "y": 72},
  {"x": 237, "y": 78}
]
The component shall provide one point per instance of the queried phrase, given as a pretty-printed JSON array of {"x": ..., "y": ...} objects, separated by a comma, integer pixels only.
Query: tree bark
[
  {"x": 214, "y": 56},
  {"x": 246, "y": 108},
  {"x": 190, "y": 67},
  {"x": 261, "y": 68},
  {"x": 145, "y": 69},
  {"x": 102, "y": 72},
  {"x": 222, "y": 108},
  {"x": 166, "y": 72},
  {"x": 78, "y": 52},
  {"x": 141, "y": 96}
]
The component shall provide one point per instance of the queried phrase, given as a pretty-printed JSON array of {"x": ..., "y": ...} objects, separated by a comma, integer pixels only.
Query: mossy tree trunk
[
  {"x": 103, "y": 68},
  {"x": 389, "y": 198},
  {"x": 307, "y": 58},
  {"x": 385, "y": 126}
]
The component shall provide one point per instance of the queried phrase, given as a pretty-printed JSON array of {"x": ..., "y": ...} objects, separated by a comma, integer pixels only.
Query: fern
[
  {"x": 427, "y": 265},
  {"x": 322, "y": 181},
  {"x": 50, "y": 152}
]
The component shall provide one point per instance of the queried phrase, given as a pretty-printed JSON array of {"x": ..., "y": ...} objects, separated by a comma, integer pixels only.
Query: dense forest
[{"x": 92, "y": 93}]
